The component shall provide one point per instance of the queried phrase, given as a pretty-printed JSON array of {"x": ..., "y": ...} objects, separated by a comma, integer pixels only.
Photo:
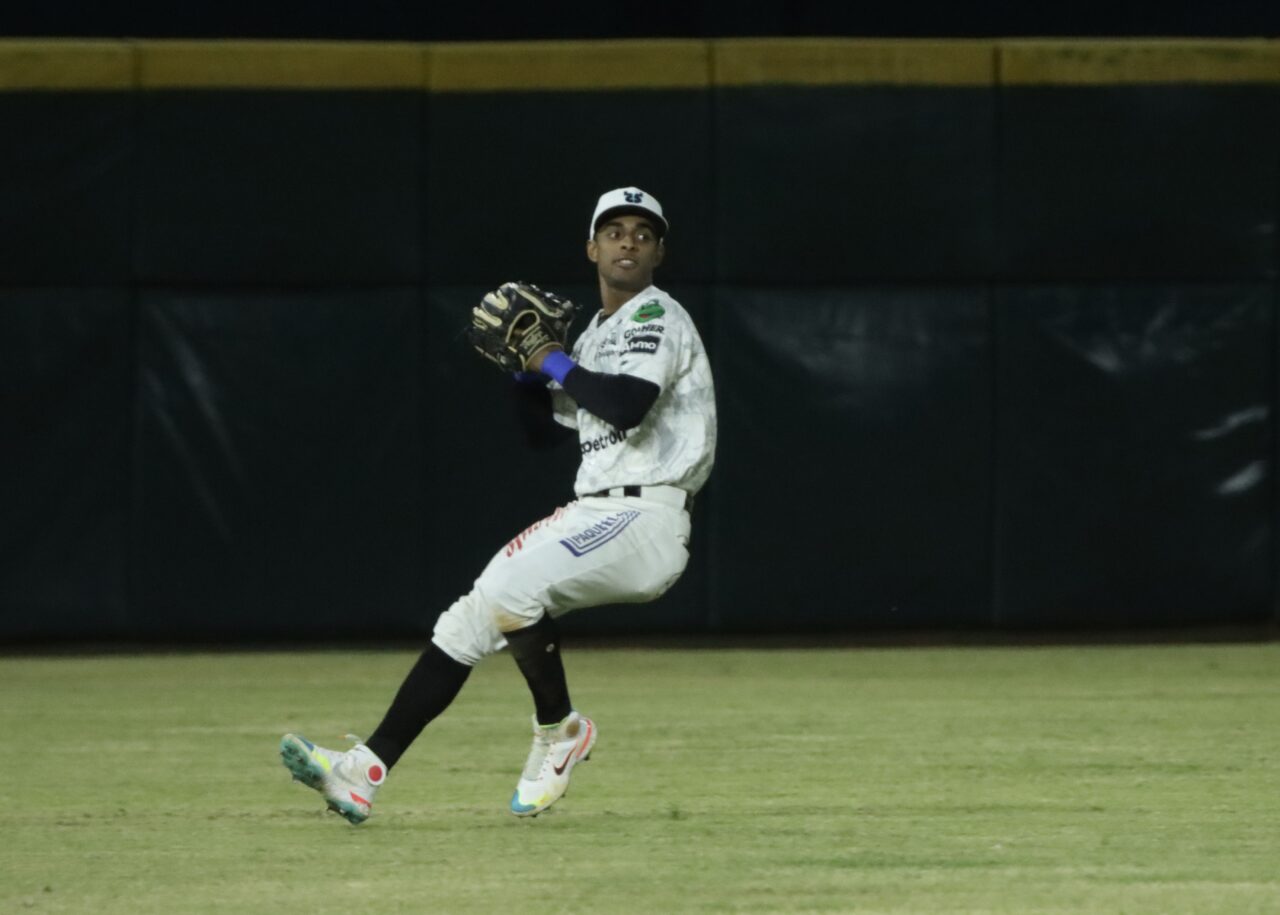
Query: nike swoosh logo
[{"x": 568, "y": 756}]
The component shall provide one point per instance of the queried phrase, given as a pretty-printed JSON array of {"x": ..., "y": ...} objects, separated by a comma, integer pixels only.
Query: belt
[{"x": 667, "y": 495}]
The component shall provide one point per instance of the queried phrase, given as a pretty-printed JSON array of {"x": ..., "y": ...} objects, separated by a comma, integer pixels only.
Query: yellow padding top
[
  {"x": 59, "y": 65},
  {"x": 1121, "y": 62},
  {"x": 281, "y": 65},
  {"x": 570, "y": 65},
  {"x": 854, "y": 62},
  {"x": 549, "y": 66}
]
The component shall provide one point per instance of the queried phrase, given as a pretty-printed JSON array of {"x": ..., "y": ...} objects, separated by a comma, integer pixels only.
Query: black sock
[
  {"x": 426, "y": 692},
  {"x": 537, "y": 653}
]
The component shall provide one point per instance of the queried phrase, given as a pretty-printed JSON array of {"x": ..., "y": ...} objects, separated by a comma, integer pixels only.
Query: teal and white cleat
[
  {"x": 347, "y": 780},
  {"x": 556, "y": 750}
]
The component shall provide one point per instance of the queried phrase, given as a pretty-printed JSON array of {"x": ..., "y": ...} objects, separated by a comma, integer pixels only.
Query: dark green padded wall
[
  {"x": 993, "y": 325},
  {"x": 278, "y": 188}
]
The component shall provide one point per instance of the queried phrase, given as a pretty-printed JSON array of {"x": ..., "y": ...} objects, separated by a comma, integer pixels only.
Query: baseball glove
[{"x": 517, "y": 320}]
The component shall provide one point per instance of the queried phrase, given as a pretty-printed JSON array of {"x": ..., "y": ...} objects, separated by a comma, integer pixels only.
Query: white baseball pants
[{"x": 594, "y": 551}]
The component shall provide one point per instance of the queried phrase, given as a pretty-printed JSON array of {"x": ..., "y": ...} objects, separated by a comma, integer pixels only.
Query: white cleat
[
  {"x": 347, "y": 780},
  {"x": 556, "y": 750}
]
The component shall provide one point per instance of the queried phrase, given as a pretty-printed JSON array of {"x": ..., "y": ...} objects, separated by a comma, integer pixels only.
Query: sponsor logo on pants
[{"x": 598, "y": 534}]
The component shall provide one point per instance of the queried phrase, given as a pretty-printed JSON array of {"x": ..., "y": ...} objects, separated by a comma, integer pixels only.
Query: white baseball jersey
[
  {"x": 650, "y": 337},
  {"x": 605, "y": 550}
]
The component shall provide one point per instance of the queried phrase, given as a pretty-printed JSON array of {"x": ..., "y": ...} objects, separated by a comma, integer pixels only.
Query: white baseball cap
[{"x": 628, "y": 200}]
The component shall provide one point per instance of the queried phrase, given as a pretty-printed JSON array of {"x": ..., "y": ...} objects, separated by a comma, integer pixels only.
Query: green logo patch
[{"x": 648, "y": 311}]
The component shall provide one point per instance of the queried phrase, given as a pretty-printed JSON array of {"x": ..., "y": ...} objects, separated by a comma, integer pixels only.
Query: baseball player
[{"x": 637, "y": 388}]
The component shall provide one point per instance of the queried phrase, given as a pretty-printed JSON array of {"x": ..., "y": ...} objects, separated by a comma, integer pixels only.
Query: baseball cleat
[
  {"x": 556, "y": 749},
  {"x": 347, "y": 780}
]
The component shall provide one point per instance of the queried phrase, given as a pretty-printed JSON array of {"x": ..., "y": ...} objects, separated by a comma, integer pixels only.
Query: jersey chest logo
[
  {"x": 597, "y": 350},
  {"x": 648, "y": 311}
]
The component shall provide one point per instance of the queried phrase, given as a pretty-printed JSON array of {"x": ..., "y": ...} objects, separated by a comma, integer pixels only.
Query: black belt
[
  {"x": 632, "y": 491},
  {"x": 638, "y": 492}
]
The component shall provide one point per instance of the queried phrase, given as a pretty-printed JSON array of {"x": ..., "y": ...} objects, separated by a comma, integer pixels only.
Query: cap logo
[{"x": 632, "y": 197}]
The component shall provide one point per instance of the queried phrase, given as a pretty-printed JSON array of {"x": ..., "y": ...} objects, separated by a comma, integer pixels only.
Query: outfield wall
[{"x": 993, "y": 325}]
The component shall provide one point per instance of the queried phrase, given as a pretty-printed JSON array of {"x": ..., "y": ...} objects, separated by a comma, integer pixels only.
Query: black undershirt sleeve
[{"x": 620, "y": 400}]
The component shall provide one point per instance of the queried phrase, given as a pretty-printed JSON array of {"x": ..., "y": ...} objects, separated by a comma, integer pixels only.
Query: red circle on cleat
[{"x": 375, "y": 774}]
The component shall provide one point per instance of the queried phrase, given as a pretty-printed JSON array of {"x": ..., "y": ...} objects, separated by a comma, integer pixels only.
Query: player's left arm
[
  {"x": 623, "y": 399},
  {"x": 620, "y": 400}
]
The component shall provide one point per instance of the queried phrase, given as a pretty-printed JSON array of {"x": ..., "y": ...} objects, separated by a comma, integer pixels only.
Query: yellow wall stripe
[
  {"x": 281, "y": 65},
  {"x": 69, "y": 64},
  {"x": 854, "y": 62},
  {"x": 56, "y": 65},
  {"x": 570, "y": 65},
  {"x": 1121, "y": 62}
]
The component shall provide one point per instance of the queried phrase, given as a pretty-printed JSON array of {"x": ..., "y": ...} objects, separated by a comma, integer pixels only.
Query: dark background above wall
[{"x": 390, "y": 20}]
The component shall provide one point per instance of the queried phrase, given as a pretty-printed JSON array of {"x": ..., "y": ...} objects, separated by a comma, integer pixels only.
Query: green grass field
[{"x": 957, "y": 780}]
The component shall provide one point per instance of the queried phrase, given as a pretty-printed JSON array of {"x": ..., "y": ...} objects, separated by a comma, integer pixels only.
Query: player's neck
[{"x": 614, "y": 297}]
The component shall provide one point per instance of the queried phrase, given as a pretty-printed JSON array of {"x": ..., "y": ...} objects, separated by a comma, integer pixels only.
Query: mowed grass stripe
[{"x": 1134, "y": 779}]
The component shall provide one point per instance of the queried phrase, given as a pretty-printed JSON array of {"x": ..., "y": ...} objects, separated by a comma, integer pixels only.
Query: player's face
[{"x": 626, "y": 250}]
